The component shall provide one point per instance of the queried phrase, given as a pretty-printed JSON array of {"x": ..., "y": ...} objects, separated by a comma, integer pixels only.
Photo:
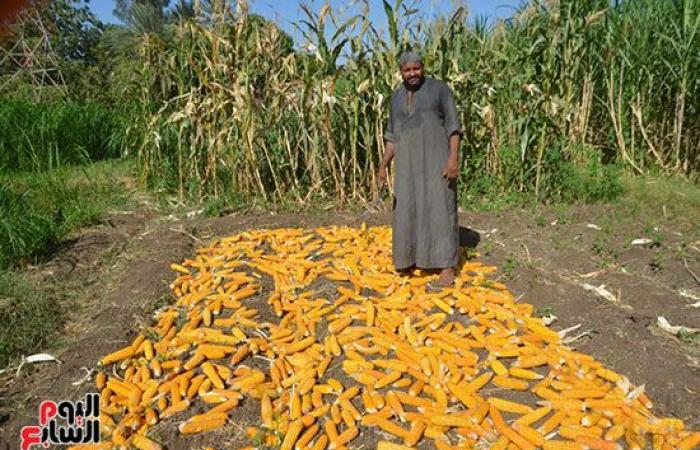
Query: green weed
[
  {"x": 28, "y": 316},
  {"x": 38, "y": 210},
  {"x": 42, "y": 136}
]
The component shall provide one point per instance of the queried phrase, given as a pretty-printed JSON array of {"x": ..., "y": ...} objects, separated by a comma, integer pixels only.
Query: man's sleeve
[
  {"x": 389, "y": 130},
  {"x": 449, "y": 108}
]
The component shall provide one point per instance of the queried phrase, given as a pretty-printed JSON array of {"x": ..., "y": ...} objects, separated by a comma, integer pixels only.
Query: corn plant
[{"x": 554, "y": 101}]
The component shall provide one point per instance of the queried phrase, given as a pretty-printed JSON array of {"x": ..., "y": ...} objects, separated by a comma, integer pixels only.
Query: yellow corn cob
[
  {"x": 605, "y": 403},
  {"x": 442, "y": 444},
  {"x": 197, "y": 359},
  {"x": 318, "y": 412},
  {"x": 415, "y": 434},
  {"x": 338, "y": 325},
  {"x": 292, "y": 434},
  {"x": 478, "y": 383},
  {"x": 323, "y": 366},
  {"x": 349, "y": 393},
  {"x": 562, "y": 445},
  {"x": 130, "y": 391},
  {"x": 321, "y": 443},
  {"x": 346, "y": 405},
  {"x": 295, "y": 406},
  {"x": 334, "y": 346},
  {"x": 306, "y": 403},
  {"x": 212, "y": 375},
  {"x": 150, "y": 415},
  {"x": 500, "y": 444},
  {"x": 100, "y": 380},
  {"x": 564, "y": 403},
  {"x": 507, "y": 431},
  {"x": 156, "y": 368},
  {"x": 194, "y": 386},
  {"x": 435, "y": 432},
  {"x": 118, "y": 355},
  {"x": 306, "y": 437},
  {"x": 202, "y": 423},
  {"x": 463, "y": 395},
  {"x": 510, "y": 383},
  {"x": 370, "y": 315},
  {"x": 392, "y": 428},
  {"x": 175, "y": 408},
  {"x": 525, "y": 374},
  {"x": 608, "y": 375},
  {"x": 387, "y": 379},
  {"x": 416, "y": 388},
  {"x": 331, "y": 430},
  {"x": 534, "y": 416},
  {"x": 690, "y": 442},
  {"x": 498, "y": 367},
  {"x": 298, "y": 346},
  {"x": 335, "y": 415},
  {"x": 246, "y": 381},
  {"x": 480, "y": 412},
  {"x": 584, "y": 393},
  {"x": 531, "y": 361},
  {"x": 529, "y": 433},
  {"x": 451, "y": 420},
  {"x": 344, "y": 437},
  {"x": 308, "y": 420},
  {"x": 348, "y": 418},
  {"x": 179, "y": 268},
  {"x": 443, "y": 306},
  {"x": 509, "y": 406},
  {"x": 597, "y": 443}
]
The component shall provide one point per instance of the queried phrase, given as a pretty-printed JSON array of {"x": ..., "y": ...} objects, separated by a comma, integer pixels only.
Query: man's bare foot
[
  {"x": 447, "y": 277},
  {"x": 406, "y": 271}
]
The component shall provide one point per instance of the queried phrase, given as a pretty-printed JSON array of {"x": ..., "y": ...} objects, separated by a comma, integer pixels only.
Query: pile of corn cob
[{"x": 412, "y": 362}]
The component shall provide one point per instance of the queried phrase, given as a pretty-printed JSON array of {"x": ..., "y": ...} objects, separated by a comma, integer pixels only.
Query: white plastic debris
[
  {"x": 601, "y": 291},
  {"x": 548, "y": 320},
  {"x": 486, "y": 233},
  {"x": 566, "y": 331},
  {"x": 41, "y": 357},
  {"x": 686, "y": 293},
  {"x": 593, "y": 226},
  {"x": 674, "y": 329},
  {"x": 641, "y": 241},
  {"x": 87, "y": 377},
  {"x": 38, "y": 357},
  {"x": 571, "y": 339}
]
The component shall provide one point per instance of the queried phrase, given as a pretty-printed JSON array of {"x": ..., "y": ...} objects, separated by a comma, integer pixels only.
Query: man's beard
[{"x": 416, "y": 86}]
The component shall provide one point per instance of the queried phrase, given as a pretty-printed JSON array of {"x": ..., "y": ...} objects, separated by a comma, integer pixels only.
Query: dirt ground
[{"x": 117, "y": 273}]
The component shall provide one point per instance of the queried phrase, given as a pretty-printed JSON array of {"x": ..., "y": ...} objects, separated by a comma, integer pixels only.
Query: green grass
[
  {"x": 41, "y": 136},
  {"x": 675, "y": 199},
  {"x": 29, "y": 317},
  {"x": 38, "y": 210}
]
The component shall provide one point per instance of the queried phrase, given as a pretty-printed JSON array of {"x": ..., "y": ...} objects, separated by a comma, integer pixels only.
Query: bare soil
[{"x": 116, "y": 274}]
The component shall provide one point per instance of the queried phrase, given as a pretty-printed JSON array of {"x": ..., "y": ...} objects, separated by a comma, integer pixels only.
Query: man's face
[{"x": 412, "y": 73}]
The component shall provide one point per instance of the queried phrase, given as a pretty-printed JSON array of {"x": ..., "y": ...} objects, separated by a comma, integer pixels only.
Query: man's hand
[
  {"x": 451, "y": 171},
  {"x": 383, "y": 180}
]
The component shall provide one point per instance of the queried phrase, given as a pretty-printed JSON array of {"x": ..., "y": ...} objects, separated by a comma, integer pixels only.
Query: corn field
[{"x": 557, "y": 102}]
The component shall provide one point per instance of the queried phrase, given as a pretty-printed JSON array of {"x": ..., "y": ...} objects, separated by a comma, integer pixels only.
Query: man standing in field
[{"x": 423, "y": 135}]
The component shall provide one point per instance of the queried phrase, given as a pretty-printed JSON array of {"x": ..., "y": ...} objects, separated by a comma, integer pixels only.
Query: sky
[{"x": 284, "y": 12}]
